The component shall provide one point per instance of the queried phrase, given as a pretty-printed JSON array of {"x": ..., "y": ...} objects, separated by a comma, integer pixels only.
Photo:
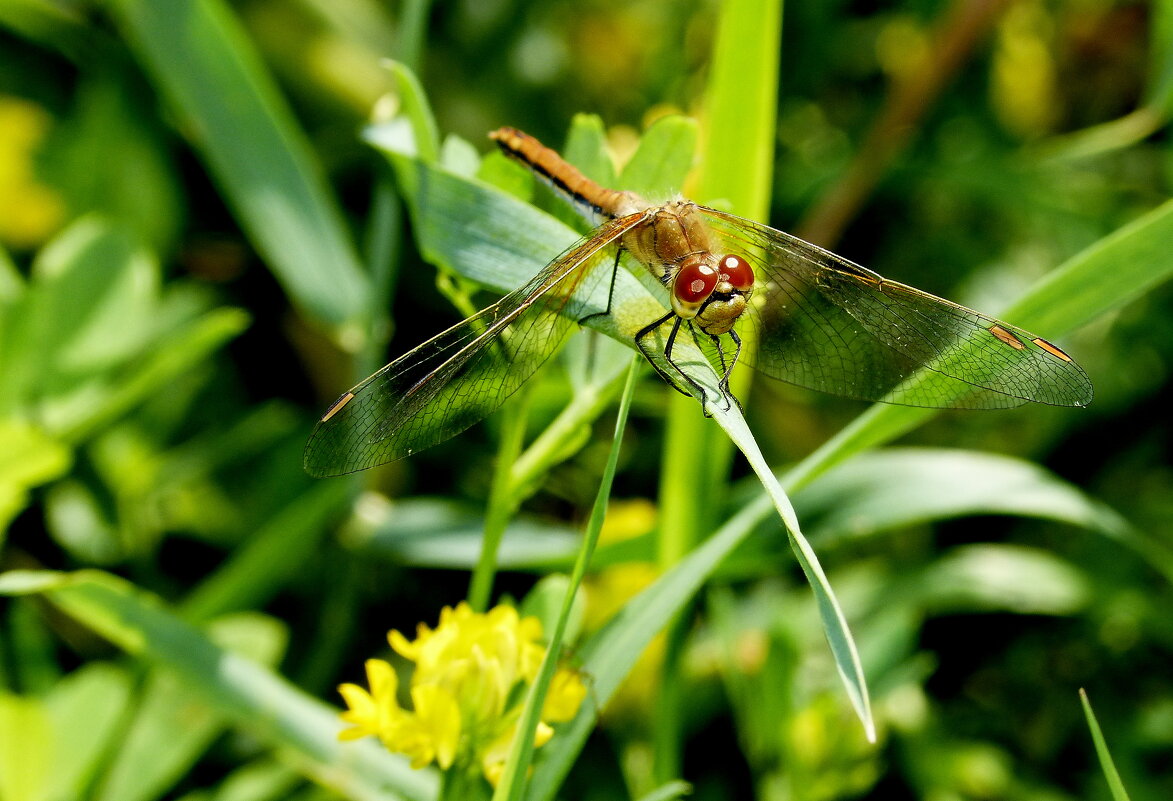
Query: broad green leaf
[
  {"x": 432, "y": 532},
  {"x": 586, "y": 148},
  {"x": 99, "y": 402},
  {"x": 249, "y": 695},
  {"x": 26, "y": 748},
  {"x": 234, "y": 115},
  {"x": 168, "y": 734},
  {"x": 416, "y": 109}
]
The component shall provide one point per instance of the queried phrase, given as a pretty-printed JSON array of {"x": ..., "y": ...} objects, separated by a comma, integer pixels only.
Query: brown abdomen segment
[{"x": 563, "y": 176}]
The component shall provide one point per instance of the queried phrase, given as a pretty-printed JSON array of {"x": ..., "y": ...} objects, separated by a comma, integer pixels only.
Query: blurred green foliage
[{"x": 201, "y": 248}]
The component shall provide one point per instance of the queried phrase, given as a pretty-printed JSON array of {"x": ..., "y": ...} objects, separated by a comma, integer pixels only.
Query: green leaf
[
  {"x": 30, "y": 458},
  {"x": 89, "y": 305},
  {"x": 416, "y": 109},
  {"x": 899, "y": 487},
  {"x": 1159, "y": 92},
  {"x": 1005, "y": 578},
  {"x": 234, "y": 115},
  {"x": 170, "y": 731},
  {"x": 660, "y": 164},
  {"x": 96, "y": 404},
  {"x": 173, "y": 725},
  {"x": 586, "y": 148},
  {"x": 96, "y": 693},
  {"x": 26, "y": 748},
  {"x": 1106, "y": 764},
  {"x": 834, "y": 622},
  {"x": 241, "y": 689}
]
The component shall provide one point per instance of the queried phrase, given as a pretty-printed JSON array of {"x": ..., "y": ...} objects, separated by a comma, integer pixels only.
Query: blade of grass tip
[
  {"x": 834, "y": 623},
  {"x": 1106, "y": 763},
  {"x": 415, "y": 107},
  {"x": 236, "y": 118},
  {"x": 502, "y": 502},
  {"x": 512, "y": 783}
]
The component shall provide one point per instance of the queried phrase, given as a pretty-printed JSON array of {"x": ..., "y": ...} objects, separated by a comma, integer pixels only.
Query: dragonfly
[{"x": 819, "y": 321}]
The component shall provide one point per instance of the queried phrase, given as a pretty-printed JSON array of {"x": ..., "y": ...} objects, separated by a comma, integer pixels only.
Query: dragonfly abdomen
[{"x": 565, "y": 177}]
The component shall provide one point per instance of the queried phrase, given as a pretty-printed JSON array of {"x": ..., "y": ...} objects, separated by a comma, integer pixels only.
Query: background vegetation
[{"x": 202, "y": 248}]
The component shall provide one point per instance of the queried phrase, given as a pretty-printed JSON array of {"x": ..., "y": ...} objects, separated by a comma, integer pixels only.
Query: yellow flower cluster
[{"x": 467, "y": 690}]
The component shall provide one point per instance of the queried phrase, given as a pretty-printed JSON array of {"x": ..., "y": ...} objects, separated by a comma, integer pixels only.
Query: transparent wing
[
  {"x": 458, "y": 377},
  {"x": 828, "y": 324}
]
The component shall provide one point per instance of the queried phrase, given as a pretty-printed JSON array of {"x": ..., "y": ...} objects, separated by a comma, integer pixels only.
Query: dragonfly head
[{"x": 713, "y": 291}]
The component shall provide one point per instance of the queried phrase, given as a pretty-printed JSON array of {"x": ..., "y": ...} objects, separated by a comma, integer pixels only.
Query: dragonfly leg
[
  {"x": 700, "y": 391},
  {"x": 640, "y": 342},
  {"x": 610, "y": 289},
  {"x": 727, "y": 369}
]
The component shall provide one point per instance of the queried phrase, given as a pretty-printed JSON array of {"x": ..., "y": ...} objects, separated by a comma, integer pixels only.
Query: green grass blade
[
  {"x": 201, "y": 60},
  {"x": 259, "y": 568},
  {"x": 834, "y": 623},
  {"x": 247, "y": 693},
  {"x": 517, "y": 766},
  {"x": 1159, "y": 92},
  {"x": 1106, "y": 763},
  {"x": 736, "y": 165},
  {"x": 737, "y": 146}
]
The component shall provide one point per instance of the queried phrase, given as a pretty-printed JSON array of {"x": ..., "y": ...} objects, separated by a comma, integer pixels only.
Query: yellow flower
[{"x": 467, "y": 690}]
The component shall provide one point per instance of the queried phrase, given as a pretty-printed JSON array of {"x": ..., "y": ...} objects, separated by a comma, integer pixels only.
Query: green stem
[
  {"x": 521, "y": 752},
  {"x": 502, "y": 501},
  {"x": 552, "y": 444}
]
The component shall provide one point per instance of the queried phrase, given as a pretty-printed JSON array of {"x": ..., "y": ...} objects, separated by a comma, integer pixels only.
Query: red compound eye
[
  {"x": 695, "y": 282},
  {"x": 737, "y": 271}
]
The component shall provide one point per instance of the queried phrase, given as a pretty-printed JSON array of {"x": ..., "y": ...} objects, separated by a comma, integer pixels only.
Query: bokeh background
[{"x": 159, "y": 382}]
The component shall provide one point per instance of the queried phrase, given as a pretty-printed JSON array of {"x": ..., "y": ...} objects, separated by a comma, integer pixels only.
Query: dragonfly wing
[
  {"x": 826, "y": 323},
  {"x": 460, "y": 376}
]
